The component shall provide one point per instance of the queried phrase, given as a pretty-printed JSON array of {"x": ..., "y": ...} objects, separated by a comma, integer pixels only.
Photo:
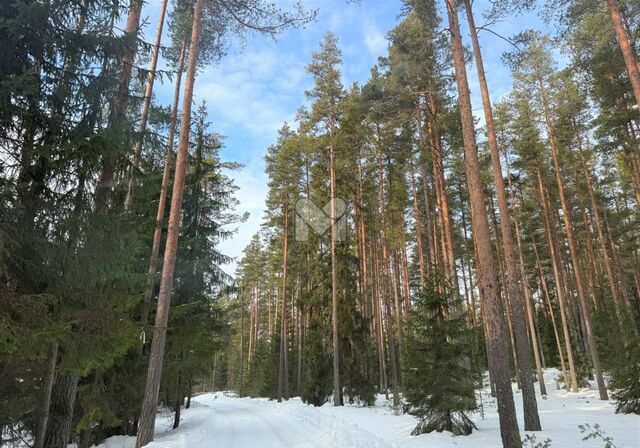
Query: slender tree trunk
[
  {"x": 573, "y": 252},
  {"x": 119, "y": 106},
  {"x": 628, "y": 52},
  {"x": 241, "y": 388},
  {"x": 166, "y": 174},
  {"x": 560, "y": 290},
  {"x": 148, "y": 93},
  {"x": 419, "y": 241},
  {"x": 378, "y": 293},
  {"x": 386, "y": 280},
  {"x": 429, "y": 250},
  {"x": 552, "y": 313},
  {"x": 300, "y": 348},
  {"x": 176, "y": 412},
  {"x": 334, "y": 277},
  {"x": 156, "y": 357},
  {"x": 496, "y": 335},
  {"x": 446, "y": 235},
  {"x": 611, "y": 277},
  {"x": 283, "y": 371},
  {"x": 528, "y": 297},
  {"x": 514, "y": 279},
  {"x": 472, "y": 311},
  {"x": 45, "y": 396}
]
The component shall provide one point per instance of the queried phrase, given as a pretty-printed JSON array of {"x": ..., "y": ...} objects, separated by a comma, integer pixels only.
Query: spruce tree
[{"x": 438, "y": 383}]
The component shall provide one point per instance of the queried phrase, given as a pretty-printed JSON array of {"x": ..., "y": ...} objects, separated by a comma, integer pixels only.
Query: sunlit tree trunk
[
  {"x": 443, "y": 215},
  {"x": 418, "y": 223},
  {"x": 552, "y": 313},
  {"x": 537, "y": 351},
  {"x": 628, "y": 52},
  {"x": 560, "y": 290},
  {"x": 514, "y": 279},
  {"x": 573, "y": 252},
  {"x": 146, "y": 102},
  {"x": 378, "y": 293},
  {"x": 386, "y": 283},
  {"x": 283, "y": 370},
  {"x": 119, "y": 106},
  {"x": 166, "y": 174},
  {"x": 496, "y": 335},
  {"x": 156, "y": 356}
]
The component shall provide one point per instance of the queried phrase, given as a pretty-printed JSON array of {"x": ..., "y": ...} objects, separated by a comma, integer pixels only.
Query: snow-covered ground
[{"x": 219, "y": 420}]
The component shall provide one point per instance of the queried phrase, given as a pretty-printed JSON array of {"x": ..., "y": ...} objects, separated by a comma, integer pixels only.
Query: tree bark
[
  {"x": 418, "y": 223},
  {"x": 496, "y": 335},
  {"x": 514, "y": 278},
  {"x": 560, "y": 291},
  {"x": 61, "y": 413},
  {"x": 283, "y": 370},
  {"x": 156, "y": 357},
  {"x": 573, "y": 252},
  {"x": 628, "y": 52},
  {"x": 45, "y": 396},
  {"x": 148, "y": 93},
  {"x": 166, "y": 173},
  {"x": 386, "y": 280},
  {"x": 119, "y": 107},
  {"x": 528, "y": 297},
  {"x": 334, "y": 276},
  {"x": 552, "y": 313}
]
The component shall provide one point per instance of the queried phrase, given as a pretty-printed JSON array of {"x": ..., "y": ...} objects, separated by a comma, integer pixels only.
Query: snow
[{"x": 223, "y": 420}]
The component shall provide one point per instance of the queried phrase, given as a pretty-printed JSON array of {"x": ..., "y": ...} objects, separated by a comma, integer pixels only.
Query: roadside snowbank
[{"x": 221, "y": 420}]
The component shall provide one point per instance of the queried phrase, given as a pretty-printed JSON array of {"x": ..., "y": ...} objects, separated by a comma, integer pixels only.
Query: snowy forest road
[{"x": 219, "y": 421}]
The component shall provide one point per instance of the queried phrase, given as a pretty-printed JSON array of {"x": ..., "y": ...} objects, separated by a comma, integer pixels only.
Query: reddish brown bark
[
  {"x": 496, "y": 334},
  {"x": 628, "y": 52},
  {"x": 119, "y": 107},
  {"x": 148, "y": 92},
  {"x": 166, "y": 173},
  {"x": 573, "y": 251},
  {"x": 514, "y": 280},
  {"x": 156, "y": 356}
]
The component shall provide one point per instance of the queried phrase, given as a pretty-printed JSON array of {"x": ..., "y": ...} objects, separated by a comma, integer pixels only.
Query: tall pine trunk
[
  {"x": 573, "y": 251},
  {"x": 283, "y": 369},
  {"x": 156, "y": 357},
  {"x": 514, "y": 279},
  {"x": 559, "y": 281},
  {"x": 148, "y": 93},
  {"x": 166, "y": 173},
  {"x": 496, "y": 335},
  {"x": 119, "y": 106},
  {"x": 528, "y": 297},
  {"x": 386, "y": 280},
  {"x": 628, "y": 52},
  {"x": 334, "y": 276}
]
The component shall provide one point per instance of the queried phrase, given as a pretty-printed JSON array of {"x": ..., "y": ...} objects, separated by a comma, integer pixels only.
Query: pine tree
[{"x": 325, "y": 114}]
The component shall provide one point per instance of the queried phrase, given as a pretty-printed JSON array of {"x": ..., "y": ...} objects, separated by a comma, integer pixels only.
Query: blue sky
[{"x": 260, "y": 84}]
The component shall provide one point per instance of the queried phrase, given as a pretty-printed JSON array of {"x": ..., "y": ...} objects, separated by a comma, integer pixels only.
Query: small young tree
[
  {"x": 438, "y": 382},
  {"x": 626, "y": 379}
]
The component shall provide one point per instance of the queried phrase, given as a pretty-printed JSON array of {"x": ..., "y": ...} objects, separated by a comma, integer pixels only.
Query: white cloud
[
  {"x": 252, "y": 194},
  {"x": 374, "y": 39}
]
